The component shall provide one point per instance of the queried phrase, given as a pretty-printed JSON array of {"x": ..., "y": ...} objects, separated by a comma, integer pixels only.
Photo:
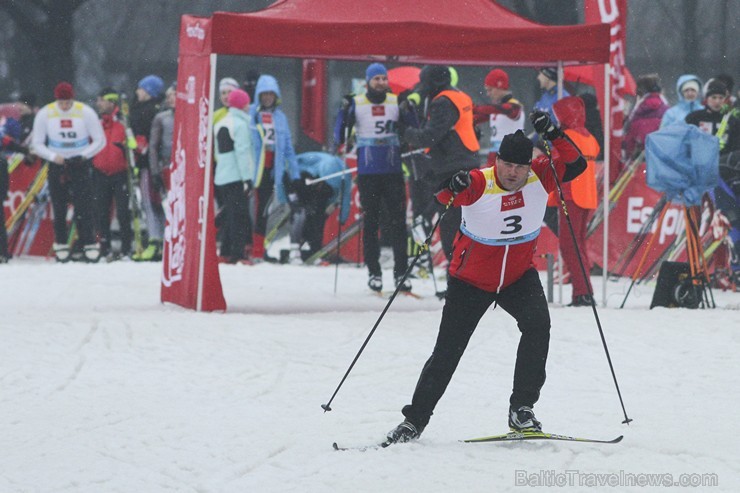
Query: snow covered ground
[{"x": 103, "y": 389}]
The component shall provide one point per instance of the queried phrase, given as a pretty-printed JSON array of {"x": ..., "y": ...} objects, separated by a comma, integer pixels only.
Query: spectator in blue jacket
[
  {"x": 315, "y": 201},
  {"x": 274, "y": 156},
  {"x": 375, "y": 116},
  {"x": 548, "y": 80},
  {"x": 688, "y": 88}
]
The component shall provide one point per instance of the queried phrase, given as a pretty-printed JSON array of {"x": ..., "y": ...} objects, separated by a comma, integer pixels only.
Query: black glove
[
  {"x": 74, "y": 161},
  {"x": 544, "y": 126},
  {"x": 459, "y": 182},
  {"x": 296, "y": 186},
  {"x": 294, "y": 202}
]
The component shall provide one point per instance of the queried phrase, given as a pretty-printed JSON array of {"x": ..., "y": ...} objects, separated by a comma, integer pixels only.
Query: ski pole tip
[
  {"x": 325, "y": 407},
  {"x": 627, "y": 421}
]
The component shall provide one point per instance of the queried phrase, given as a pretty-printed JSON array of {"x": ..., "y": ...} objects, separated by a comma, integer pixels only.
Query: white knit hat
[
  {"x": 228, "y": 82},
  {"x": 691, "y": 84}
]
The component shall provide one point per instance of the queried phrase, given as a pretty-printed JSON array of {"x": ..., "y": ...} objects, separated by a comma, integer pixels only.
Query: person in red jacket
[
  {"x": 110, "y": 180},
  {"x": 502, "y": 211},
  {"x": 580, "y": 197}
]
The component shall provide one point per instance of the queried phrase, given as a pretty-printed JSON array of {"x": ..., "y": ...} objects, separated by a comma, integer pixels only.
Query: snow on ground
[{"x": 103, "y": 389}]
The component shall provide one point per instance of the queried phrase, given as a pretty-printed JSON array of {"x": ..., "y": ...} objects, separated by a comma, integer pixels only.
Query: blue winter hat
[
  {"x": 153, "y": 85},
  {"x": 375, "y": 69}
]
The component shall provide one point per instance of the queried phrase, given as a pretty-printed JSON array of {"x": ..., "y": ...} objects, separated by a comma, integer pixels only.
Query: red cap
[
  {"x": 497, "y": 78},
  {"x": 64, "y": 90}
]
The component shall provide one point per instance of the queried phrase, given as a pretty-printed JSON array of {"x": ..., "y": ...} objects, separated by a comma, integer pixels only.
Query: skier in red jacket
[
  {"x": 502, "y": 211},
  {"x": 110, "y": 177}
]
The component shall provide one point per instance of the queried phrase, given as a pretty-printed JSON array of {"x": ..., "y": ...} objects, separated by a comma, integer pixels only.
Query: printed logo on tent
[
  {"x": 174, "y": 233},
  {"x": 203, "y": 120},
  {"x": 190, "y": 90},
  {"x": 196, "y": 32}
]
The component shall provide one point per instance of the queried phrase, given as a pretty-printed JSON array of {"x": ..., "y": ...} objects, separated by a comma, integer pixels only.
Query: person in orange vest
[
  {"x": 449, "y": 134},
  {"x": 580, "y": 197}
]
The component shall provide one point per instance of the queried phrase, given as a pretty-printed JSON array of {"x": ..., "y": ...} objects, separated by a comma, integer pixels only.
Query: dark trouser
[
  {"x": 464, "y": 306},
  {"x": 107, "y": 188},
  {"x": 72, "y": 183},
  {"x": 261, "y": 200},
  {"x": 376, "y": 190},
  {"x": 307, "y": 222},
  {"x": 235, "y": 218},
  {"x": 3, "y": 193}
]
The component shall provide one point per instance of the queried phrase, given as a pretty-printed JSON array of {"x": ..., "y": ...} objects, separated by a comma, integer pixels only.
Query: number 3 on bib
[{"x": 513, "y": 224}]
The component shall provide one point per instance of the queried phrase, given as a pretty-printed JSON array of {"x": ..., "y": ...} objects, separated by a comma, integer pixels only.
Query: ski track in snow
[{"x": 103, "y": 389}]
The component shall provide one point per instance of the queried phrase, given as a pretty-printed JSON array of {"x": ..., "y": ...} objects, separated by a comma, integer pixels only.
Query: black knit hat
[
  {"x": 109, "y": 94},
  {"x": 713, "y": 87},
  {"x": 550, "y": 72},
  {"x": 435, "y": 76},
  {"x": 516, "y": 148}
]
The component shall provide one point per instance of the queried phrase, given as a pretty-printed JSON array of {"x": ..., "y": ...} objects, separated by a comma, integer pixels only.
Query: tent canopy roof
[{"x": 472, "y": 32}]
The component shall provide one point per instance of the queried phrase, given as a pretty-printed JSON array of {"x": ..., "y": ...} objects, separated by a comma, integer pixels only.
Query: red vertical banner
[
  {"x": 614, "y": 13},
  {"x": 190, "y": 275},
  {"x": 313, "y": 100}
]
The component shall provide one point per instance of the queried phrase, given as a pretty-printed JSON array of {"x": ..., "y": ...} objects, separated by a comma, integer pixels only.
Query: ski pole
[
  {"x": 339, "y": 234},
  {"x": 585, "y": 276},
  {"x": 412, "y": 153},
  {"x": 327, "y": 407},
  {"x": 311, "y": 181}
]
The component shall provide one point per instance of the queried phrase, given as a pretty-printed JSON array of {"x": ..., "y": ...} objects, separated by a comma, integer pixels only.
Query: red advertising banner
[
  {"x": 33, "y": 233},
  {"x": 631, "y": 211},
  {"x": 614, "y": 13},
  {"x": 313, "y": 104},
  {"x": 190, "y": 275}
]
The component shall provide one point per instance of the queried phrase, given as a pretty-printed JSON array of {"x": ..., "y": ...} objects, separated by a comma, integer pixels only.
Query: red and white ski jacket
[
  {"x": 112, "y": 159},
  {"x": 499, "y": 229}
]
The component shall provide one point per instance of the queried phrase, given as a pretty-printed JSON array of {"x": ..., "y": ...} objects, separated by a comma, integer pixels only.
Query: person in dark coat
[{"x": 449, "y": 134}]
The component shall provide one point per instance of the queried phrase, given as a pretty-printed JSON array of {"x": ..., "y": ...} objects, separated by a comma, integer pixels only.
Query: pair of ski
[{"x": 505, "y": 437}]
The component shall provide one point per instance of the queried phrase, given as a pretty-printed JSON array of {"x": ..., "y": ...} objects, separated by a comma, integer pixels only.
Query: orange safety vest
[
  {"x": 583, "y": 187},
  {"x": 464, "y": 125}
]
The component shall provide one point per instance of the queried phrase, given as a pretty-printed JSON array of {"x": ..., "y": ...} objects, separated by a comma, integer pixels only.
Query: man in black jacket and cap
[{"x": 449, "y": 133}]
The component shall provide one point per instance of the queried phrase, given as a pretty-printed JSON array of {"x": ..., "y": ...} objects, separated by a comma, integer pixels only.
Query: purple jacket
[{"x": 644, "y": 119}]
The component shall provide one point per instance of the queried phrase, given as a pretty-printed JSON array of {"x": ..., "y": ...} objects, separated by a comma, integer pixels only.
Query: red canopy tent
[{"x": 472, "y": 32}]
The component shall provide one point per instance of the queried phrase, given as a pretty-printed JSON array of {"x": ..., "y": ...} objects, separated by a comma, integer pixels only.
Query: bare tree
[{"x": 48, "y": 27}]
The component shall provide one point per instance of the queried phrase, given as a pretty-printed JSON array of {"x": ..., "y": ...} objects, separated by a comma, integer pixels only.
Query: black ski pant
[
  {"x": 376, "y": 190},
  {"x": 262, "y": 196},
  {"x": 106, "y": 189},
  {"x": 464, "y": 306},
  {"x": 235, "y": 215},
  {"x": 309, "y": 217},
  {"x": 72, "y": 183}
]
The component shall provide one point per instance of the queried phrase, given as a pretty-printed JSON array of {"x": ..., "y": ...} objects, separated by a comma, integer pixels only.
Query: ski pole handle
[{"x": 311, "y": 181}]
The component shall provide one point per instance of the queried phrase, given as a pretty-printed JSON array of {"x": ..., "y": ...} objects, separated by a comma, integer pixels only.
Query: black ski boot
[
  {"x": 405, "y": 432},
  {"x": 375, "y": 283},
  {"x": 522, "y": 419}
]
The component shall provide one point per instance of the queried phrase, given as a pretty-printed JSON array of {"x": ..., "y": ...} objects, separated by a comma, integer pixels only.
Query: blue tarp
[{"x": 682, "y": 162}]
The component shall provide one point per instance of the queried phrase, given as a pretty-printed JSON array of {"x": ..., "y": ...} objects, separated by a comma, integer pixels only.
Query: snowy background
[{"x": 103, "y": 389}]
